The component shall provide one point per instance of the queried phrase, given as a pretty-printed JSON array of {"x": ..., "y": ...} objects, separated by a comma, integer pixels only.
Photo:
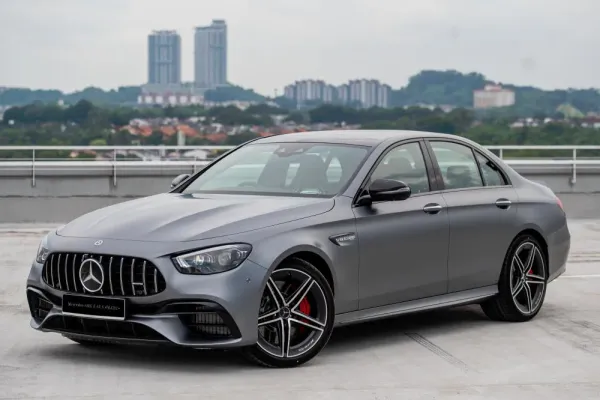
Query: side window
[
  {"x": 405, "y": 163},
  {"x": 458, "y": 165},
  {"x": 491, "y": 175}
]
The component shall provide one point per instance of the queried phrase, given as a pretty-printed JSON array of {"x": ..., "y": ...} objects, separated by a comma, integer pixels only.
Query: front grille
[
  {"x": 123, "y": 276},
  {"x": 114, "y": 329}
]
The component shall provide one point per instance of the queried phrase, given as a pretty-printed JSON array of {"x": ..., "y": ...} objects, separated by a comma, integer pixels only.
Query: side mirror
[
  {"x": 388, "y": 190},
  {"x": 178, "y": 180}
]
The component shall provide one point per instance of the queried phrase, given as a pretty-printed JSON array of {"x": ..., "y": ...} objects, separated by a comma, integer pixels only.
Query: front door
[{"x": 403, "y": 244}]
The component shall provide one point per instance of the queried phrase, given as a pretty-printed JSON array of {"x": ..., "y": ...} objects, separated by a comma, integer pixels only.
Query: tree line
[
  {"x": 87, "y": 124},
  {"x": 452, "y": 88}
]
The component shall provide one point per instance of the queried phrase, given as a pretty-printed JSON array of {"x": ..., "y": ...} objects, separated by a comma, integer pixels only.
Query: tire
[
  {"x": 528, "y": 300},
  {"x": 295, "y": 291}
]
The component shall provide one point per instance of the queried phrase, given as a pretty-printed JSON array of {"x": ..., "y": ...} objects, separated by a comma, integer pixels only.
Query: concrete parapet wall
[
  {"x": 103, "y": 179},
  {"x": 58, "y": 193}
]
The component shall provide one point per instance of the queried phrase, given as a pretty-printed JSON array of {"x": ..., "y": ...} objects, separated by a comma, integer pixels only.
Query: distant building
[
  {"x": 169, "y": 98},
  {"x": 309, "y": 90},
  {"x": 289, "y": 92},
  {"x": 164, "y": 58},
  {"x": 165, "y": 95},
  {"x": 330, "y": 94},
  {"x": 344, "y": 93},
  {"x": 366, "y": 92},
  {"x": 492, "y": 96},
  {"x": 384, "y": 94},
  {"x": 210, "y": 55}
]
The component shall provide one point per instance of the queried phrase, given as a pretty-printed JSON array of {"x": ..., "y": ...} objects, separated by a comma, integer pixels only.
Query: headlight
[
  {"x": 42, "y": 252},
  {"x": 212, "y": 260}
]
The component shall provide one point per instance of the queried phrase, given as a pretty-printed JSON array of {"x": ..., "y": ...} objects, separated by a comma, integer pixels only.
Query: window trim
[
  {"x": 503, "y": 175},
  {"x": 438, "y": 170},
  {"x": 429, "y": 167}
]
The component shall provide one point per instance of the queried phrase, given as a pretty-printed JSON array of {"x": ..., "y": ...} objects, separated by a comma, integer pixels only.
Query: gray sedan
[{"x": 275, "y": 243}]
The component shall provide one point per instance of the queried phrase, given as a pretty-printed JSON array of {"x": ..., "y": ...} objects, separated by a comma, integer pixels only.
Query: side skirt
[{"x": 408, "y": 307}]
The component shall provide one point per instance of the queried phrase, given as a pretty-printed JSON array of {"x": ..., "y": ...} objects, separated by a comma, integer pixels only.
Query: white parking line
[{"x": 581, "y": 276}]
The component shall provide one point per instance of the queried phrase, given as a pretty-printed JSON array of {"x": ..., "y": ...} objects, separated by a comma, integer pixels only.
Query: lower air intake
[
  {"x": 99, "y": 328},
  {"x": 208, "y": 325},
  {"x": 38, "y": 306}
]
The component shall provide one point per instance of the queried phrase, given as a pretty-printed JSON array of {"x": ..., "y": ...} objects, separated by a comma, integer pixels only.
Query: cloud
[{"x": 69, "y": 44}]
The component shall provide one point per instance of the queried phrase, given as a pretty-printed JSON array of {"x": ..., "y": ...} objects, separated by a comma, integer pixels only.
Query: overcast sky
[{"x": 71, "y": 44}]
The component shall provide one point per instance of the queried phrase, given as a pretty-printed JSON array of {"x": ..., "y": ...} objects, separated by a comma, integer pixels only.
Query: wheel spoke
[
  {"x": 313, "y": 324},
  {"x": 518, "y": 288},
  {"x": 276, "y": 293},
  {"x": 535, "y": 279},
  {"x": 529, "y": 299},
  {"x": 519, "y": 263},
  {"x": 530, "y": 259},
  {"x": 300, "y": 293},
  {"x": 269, "y": 318},
  {"x": 285, "y": 338},
  {"x": 308, "y": 318}
]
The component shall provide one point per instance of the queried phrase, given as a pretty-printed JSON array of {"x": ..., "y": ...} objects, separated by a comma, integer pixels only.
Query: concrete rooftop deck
[{"x": 455, "y": 354}]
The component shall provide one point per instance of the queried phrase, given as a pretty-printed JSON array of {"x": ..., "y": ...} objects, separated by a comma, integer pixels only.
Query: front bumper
[{"x": 216, "y": 311}]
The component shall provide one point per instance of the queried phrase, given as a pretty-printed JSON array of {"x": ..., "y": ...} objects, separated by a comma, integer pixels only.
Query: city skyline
[{"x": 274, "y": 43}]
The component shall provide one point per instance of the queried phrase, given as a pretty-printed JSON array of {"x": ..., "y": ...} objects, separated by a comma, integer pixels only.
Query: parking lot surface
[{"x": 452, "y": 354}]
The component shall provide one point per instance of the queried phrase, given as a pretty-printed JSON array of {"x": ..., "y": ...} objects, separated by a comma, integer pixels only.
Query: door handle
[
  {"x": 503, "y": 203},
  {"x": 432, "y": 208}
]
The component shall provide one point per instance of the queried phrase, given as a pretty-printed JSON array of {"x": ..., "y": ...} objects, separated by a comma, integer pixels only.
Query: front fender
[{"x": 271, "y": 248}]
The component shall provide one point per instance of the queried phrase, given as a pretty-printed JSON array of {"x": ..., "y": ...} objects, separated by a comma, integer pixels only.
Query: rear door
[{"x": 481, "y": 213}]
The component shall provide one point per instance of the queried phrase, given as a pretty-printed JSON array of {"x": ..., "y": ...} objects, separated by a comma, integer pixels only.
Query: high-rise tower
[
  {"x": 164, "y": 58},
  {"x": 210, "y": 55}
]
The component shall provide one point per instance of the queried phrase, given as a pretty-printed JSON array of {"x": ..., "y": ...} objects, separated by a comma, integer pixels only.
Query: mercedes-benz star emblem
[
  {"x": 98, "y": 243},
  {"x": 91, "y": 275}
]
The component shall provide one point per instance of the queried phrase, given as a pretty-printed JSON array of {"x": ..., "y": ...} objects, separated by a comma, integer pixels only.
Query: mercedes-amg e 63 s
[{"x": 275, "y": 243}]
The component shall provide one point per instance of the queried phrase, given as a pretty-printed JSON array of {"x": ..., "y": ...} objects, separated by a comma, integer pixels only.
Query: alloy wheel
[
  {"x": 293, "y": 314},
  {"x": 527, "y": 278}
]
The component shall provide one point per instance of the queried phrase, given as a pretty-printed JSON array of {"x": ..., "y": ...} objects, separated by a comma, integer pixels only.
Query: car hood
[{"x": 173, "y": 217}]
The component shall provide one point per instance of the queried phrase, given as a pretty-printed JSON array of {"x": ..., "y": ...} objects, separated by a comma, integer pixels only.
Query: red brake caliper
[{"x": 304, "y": 308}]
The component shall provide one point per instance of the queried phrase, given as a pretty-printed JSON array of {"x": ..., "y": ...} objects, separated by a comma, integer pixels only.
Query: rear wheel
[
  {"x": 295, "y": 317},
  {"x": 522, "y": 285}
]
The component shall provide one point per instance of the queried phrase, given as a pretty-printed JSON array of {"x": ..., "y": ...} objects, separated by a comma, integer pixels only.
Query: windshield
[{"x": 300, "y": 169}]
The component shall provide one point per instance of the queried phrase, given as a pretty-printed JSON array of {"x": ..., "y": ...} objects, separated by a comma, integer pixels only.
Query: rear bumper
[{"x": 559, "y": 246}]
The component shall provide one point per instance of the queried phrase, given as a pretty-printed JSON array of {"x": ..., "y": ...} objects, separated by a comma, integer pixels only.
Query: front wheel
[
  {"x": 295, "y": 318},
  {"x": 522, "y": 285}
]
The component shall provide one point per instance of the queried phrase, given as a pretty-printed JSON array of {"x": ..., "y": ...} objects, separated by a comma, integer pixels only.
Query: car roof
[{"x": 362, "y": 137}]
